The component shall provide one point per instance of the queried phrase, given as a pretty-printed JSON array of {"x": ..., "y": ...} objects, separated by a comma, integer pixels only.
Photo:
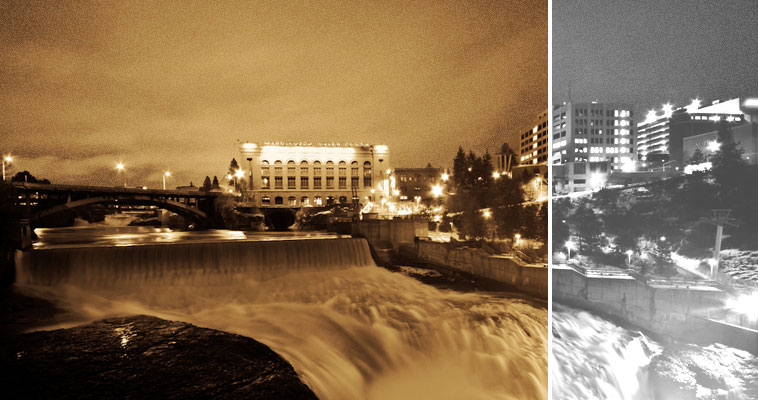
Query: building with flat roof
[
  {"x": 315, "y": 174},
  {"x": 415, "y": 184},
  {"x": 660, "y": 136},
  {"x": 533, "y": 147},
  {"x": 589, "y": 140}
]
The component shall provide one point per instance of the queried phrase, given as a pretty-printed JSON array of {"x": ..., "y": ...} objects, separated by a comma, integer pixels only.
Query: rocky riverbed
[{"x": 144, "y": 357}]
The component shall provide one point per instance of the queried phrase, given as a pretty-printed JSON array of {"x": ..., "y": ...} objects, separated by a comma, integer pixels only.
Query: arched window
[
  {"x": 343, "y": 200},
  {"x": 290, "y": 168},
  {"x": 278, "y": 167},
  {"x": 292, "y": 200},
  {"x": 304, "y": 201},
  {"x": 266, "y": 200},
  {"x": 278, "y": 200},
  {"x": 329, "y": 200}
]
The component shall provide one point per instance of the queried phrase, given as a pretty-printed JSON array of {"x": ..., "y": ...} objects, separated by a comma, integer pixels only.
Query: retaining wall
[
  {"x": 393, "y": 233},
  {"x": 687, "y": 312},
  {"x": 532, "y": 279}
]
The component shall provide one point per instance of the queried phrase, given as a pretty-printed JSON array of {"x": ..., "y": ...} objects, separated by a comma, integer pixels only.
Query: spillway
[{"x": 350, "y": 329}]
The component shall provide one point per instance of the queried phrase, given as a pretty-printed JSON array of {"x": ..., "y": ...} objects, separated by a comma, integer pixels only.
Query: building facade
[
  {"x": 533, "y": 146},
  {"x": 315, "y": 174},
  {"x": 660, "y": 136},
  {"x": 415, "y": 184},
  {"x": 590, "y": 140}
]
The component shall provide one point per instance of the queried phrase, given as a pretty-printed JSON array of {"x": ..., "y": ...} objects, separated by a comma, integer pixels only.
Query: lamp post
[
  {"x": 629, "y": 257},
  {"x": 119, "y": 170},
  {"x": 238, "y": 175},
  {"x": 6, "y": 159},
  {"x": 165, "y": 175}
]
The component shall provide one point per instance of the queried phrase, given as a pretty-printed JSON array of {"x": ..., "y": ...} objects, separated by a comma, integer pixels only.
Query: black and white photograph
[{"x": 654, "y": 200}]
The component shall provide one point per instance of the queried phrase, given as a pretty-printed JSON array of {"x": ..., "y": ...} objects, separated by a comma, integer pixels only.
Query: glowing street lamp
[
  {"x": 166, "y": 174},
  {"x": 436, "y": 191},
  {"x": 629, "y": 256},
  {"x": 239, "y": 174},
  {"x": 7, "y": 159},
  {"x": 496, "y": 175},
  {"x": 714, "y": 146},
  {"x": 487, "y": 214},
  {"x": 119, "y": 170},
  {"x": 445, "y": 177}
]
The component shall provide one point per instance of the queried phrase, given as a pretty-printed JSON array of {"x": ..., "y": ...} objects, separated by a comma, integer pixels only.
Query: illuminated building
[
  {"x": 316, "y": 174},
  {"x": 660, "y": 136},
  {"x": 415, "y": 184},
  {"x": 533, "y": 147},
  {"x": 590, "y": 140},
  {"x": 744, "y": 132}
]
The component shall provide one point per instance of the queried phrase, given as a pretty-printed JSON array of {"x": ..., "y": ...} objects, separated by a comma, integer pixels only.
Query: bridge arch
[{"x": 171, "y": 205}]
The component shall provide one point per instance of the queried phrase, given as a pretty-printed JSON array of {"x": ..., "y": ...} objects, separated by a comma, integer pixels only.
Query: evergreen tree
[
  {"x": 728, "y": 165},
  {"x": 697, "y": 157},
  {"x": 215, "y": 185},
  {"x": 233, "y": 167},
  {"x": 206, "y": 184}
]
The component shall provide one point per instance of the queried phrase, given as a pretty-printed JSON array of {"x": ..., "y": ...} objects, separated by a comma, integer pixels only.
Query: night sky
[
  {"x": 172, "y": 86},
  {"x": 649, "y": 52}
]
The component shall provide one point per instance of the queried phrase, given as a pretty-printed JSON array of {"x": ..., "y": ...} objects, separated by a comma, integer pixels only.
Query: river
[
  {"x": 351, "y": 330},
  {"x": 594, "y": 358}
]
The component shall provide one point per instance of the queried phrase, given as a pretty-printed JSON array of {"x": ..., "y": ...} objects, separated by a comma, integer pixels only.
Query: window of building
[
  {"x": 343, "y": 182},
  {"x": 354, "y": 182},
  {"x": 265, "y": 182},
  {"x": 304, "y": 201},
  {"x": 278, "y": 200},
  {"x": 343, "y": 200},
  {"x": 343, "y": 168},
  {"x": 317, "y": 200},
  {"x": 278, "y": 167},
  {"x": 317, "y": 182},
  {"x": 278, "y": 182},
  {"x": 291, "y": 182},
  {"x": 580, "y": 169},
  {"x": 292, "y": 200},
  {"x": 290, "y": 167},
  {"x": 330, "y": 182},
  {"x": 264, "y": 168},
  {"x": 329, "y": 200},
  {"x": 303, "y": 182},
  {"x": 367, "y": 174},
  {"x": 266, "y": 200},
  {"x": 354, "y": 168}
]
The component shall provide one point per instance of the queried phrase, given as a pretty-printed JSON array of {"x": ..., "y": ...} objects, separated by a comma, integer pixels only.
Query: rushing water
[
  {"x": 593, "y": 358},
  {"x": 350, "y": 329}
]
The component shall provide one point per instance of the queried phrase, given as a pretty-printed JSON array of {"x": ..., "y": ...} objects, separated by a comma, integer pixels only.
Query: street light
[
  {"x": 165, "y": 175},
  {"x": 119, "y": 169},
  {"x": 445, "y": 177},
  {"x": 436, "y": 191},
  {"x": 629, "y": 256},
  {"x": 6, "y": 159},
  {"x": 239, "y": 174}
]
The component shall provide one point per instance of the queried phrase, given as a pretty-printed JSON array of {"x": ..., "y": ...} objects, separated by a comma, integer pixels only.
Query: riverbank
[{"x": 146, "y": 357}]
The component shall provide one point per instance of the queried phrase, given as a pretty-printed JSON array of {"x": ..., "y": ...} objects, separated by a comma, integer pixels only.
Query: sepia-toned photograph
[
  {"x": 276, "y": 200},
  {"x": 654, "y": 199}
]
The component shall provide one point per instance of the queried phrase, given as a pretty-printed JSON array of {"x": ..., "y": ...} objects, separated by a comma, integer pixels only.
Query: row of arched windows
[
  {"x": 315, "y": 162},
  {"x": 304, "y": 201}
]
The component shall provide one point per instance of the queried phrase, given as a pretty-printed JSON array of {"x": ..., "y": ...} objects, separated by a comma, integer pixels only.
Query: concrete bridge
[{"x": 34, "y": 201}]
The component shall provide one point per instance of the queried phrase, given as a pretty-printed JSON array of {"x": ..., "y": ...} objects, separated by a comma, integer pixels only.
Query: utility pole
[{"x": 720, "y": 218}]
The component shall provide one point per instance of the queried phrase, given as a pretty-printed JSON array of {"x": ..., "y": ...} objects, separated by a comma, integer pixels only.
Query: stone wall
[
  {"x": 393, "y": 233},
  {"x": 682, "y": 311},
  {"x": 529, "y": 278}
]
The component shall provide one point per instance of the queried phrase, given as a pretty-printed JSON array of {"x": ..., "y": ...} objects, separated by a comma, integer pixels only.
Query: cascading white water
[
  {"x": 593, "y": 358},
  {"x": 351, "y": 330}
]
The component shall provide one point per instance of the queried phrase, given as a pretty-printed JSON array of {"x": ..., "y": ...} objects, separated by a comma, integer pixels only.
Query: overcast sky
[
  {"x": 653, "y": 51},
  {"x": 162, "y": 85}
]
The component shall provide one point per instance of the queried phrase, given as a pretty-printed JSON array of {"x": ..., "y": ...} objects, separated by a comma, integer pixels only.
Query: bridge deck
[{"x": 43, "y": 187}]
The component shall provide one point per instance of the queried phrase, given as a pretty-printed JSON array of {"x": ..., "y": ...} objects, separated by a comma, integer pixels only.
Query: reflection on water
[{"x": 94, "y": 235}]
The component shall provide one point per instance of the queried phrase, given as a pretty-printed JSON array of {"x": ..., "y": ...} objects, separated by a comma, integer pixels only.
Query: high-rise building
[
  {"x": 589, "y": 141},
  {"x": 307, "y": 174},
  {"x": 533, "y": 148},
  {"x": 660, "y": 135}
]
